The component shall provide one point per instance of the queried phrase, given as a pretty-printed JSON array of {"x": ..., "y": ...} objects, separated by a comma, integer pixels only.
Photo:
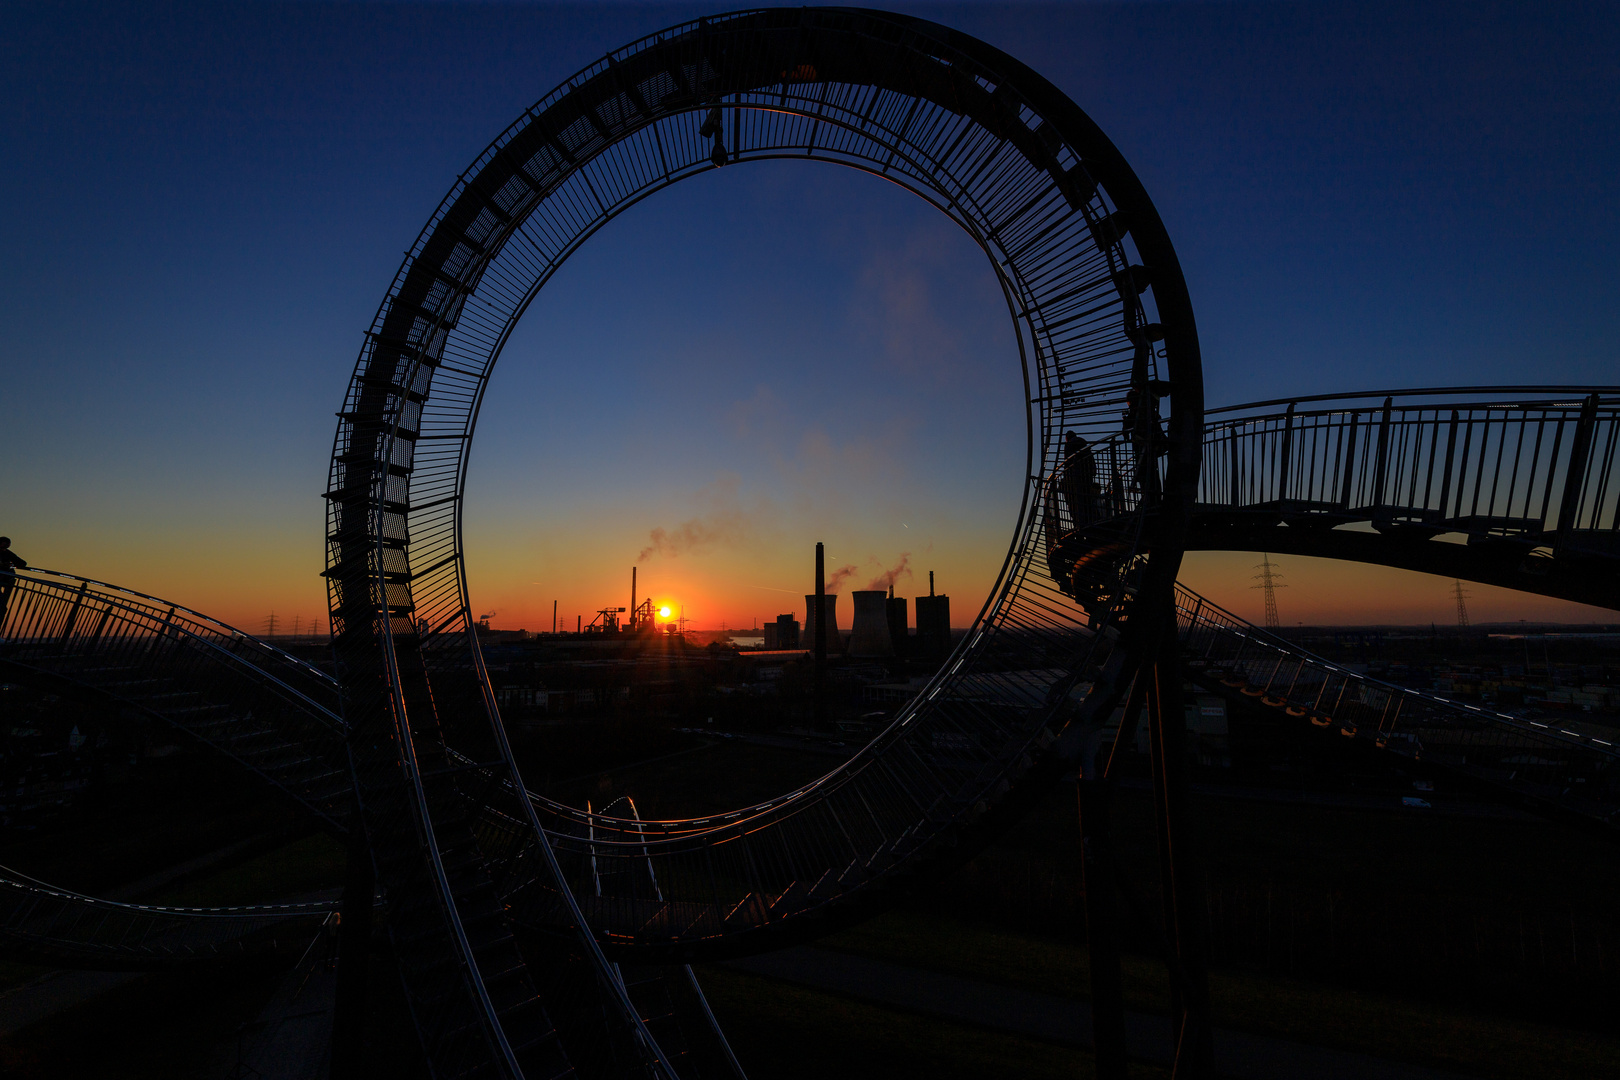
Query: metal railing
[
  {"x": 1535, "y": 464},
  {"x": 44, "y": 924},
  {"x": 274, "y": 714},
  {"x": 1546, "y": 763}
]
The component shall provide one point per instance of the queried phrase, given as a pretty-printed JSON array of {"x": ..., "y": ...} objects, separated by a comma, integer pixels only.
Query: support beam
[
  {"x": 1102, "y": 931},
  {"x": 1181, "y": 880},
  {"x": 354, "y": 959}
]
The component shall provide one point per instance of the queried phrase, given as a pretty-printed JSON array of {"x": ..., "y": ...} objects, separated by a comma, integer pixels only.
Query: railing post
[
  {"x": 1451, "y": 452},
  {"x": 1349, "y": 461},
  {"x": 1287, "y": 454},
  {"x": 1569, "y": 507},
  {"x": 73, "y": 615},
  {"x": 1380, "y": 471}
]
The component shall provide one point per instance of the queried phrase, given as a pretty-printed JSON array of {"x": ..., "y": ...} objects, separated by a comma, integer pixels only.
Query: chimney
[
  {"x": 870, "y": 635},
  {"x": 632, "y": 598},
  {"x": 820, "y": 614}
]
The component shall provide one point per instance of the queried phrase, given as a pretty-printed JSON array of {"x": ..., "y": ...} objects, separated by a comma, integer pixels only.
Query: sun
[{"x": 663, "y": 612}]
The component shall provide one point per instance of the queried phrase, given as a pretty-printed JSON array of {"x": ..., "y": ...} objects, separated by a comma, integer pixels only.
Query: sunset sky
[{"x": 205, "y": 203}]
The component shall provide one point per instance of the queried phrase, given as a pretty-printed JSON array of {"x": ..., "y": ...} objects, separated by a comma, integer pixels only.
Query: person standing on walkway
[{"x": 9, "y": 561}]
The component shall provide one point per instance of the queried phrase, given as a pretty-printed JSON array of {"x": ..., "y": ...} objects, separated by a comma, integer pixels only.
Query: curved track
[
  {"x": 42, "y": 924},
  {"x": 234, "y": 693},
  {"x": 501, "y": 904},
  {"x": 1544, "y": 765},
  {"x": 275, "y": 715},
  {"x": 1099, "y": 309}
]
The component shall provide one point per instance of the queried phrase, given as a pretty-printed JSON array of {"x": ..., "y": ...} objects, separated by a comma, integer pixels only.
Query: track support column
[
  {"x": 1102, "y": 931},
  {"x": 1180, "y": 877},
  {"x": 354, "y": 959}
]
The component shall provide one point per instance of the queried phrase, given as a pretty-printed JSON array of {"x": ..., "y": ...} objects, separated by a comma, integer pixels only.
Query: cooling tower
[
  {"x": 870, "y": 634},
  {"x": 835, "y": 643}
]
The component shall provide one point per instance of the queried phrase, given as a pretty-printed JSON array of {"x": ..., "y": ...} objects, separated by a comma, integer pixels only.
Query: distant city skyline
[{"x": 208, "y": 203}]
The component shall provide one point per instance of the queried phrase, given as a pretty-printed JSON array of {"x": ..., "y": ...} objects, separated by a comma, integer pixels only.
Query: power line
[{"x": 1270, "y": 580}]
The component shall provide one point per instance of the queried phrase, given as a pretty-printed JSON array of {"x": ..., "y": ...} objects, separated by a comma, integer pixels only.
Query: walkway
[{"x": 1061, "y": 1020}]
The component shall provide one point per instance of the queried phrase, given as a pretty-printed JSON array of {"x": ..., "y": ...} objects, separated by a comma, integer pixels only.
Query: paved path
[
  {"x": 1062, "y": 1020},
  {"x": 1445, "y": 804},
  {"x": 56, "y": 992}
]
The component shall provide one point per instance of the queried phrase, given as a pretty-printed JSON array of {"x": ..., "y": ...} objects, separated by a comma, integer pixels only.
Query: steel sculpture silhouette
[
  {"x": 1103, "y": 324},
  {"x": 278, "y": 717},
  {"x": 524, "y": 928}
]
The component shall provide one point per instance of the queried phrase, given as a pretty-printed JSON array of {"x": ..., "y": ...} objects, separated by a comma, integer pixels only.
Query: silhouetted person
[
  {"x": 1142, "y": 427},
  {"x": 9, "y": 561},
  {"x": 1079, "y": 482}
]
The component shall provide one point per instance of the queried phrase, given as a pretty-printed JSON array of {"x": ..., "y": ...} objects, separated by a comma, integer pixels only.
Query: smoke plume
[
  {"x": 836, "y": 578},
  {"x": 725, "y": 522},
  {"x": 695, "y": 533},
  {"x": 887, "y": 579}
]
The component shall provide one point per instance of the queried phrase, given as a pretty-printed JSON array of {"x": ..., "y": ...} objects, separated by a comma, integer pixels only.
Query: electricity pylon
[
  {"x": 1462, "y": 608},
  {"x": 1270, "y": 580}
]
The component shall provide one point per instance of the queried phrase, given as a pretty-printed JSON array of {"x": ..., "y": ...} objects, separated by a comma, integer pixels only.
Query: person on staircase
[{"x": 9, "y": 561}]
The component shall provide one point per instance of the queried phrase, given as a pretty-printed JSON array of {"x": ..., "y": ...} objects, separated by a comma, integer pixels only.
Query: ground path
[{"x": 1061, "y": 1020}]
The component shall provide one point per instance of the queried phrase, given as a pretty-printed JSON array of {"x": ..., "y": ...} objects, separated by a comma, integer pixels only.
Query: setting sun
[{"x": 663, "y": 612}]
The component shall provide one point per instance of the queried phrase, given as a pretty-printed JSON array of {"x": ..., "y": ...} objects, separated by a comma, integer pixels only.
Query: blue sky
[{"x": 206, "y": 202}]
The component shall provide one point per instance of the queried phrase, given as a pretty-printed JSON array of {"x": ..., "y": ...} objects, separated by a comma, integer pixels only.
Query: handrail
[
  {"x": 1435, "y": 391},
  {"x": 1198, "y": 611},
  {"x": 17, "y": 879},
  {"x": 240, "y": 635}
]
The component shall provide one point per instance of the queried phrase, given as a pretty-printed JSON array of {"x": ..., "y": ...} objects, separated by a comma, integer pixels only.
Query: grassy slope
[
  {"x": 783, "y": 1032},
  {"x": 1382, "y": 1025}
]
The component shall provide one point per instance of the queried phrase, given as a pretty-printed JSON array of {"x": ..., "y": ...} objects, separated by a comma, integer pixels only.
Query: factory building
[
  {"x": 899, "y": 633},
  {"x": 783, "y": 633},
  {"x": 933, "y": 623}
]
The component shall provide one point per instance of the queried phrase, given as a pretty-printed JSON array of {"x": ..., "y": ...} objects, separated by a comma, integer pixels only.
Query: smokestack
[
  {"x": 930, "y": 583},
  {"x": 819, "y": 612},
  {"x": 870, "y": 635},
  {"x": 632, "y": 598}
]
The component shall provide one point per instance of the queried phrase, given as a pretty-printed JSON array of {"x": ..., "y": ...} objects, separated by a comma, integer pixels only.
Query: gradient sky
[{"x": 204, "y": 204}]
